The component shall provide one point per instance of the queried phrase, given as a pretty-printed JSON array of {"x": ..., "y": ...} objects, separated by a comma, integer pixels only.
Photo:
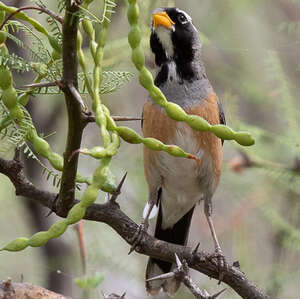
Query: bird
[{"x": 177, "y": 185}]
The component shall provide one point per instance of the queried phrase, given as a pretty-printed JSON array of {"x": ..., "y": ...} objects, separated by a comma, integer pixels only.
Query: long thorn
[
  {"x": 162, "y": 276},
  {"x": 217, "y": 294},
  {"x": 196, "y": 248},
  {"x": 118, "y": 190}
]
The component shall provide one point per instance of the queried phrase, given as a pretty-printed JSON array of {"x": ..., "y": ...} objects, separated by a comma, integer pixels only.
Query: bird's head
[{"x": 175, "y": 38}]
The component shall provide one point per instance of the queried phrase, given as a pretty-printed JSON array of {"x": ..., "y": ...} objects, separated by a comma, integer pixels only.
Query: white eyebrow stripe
[{"x": 184, "y": 13}]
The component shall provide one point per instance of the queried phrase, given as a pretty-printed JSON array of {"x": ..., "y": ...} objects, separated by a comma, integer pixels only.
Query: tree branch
[
  {"x": 76, "y": 121},
  {"x": 111, "y": 214}
]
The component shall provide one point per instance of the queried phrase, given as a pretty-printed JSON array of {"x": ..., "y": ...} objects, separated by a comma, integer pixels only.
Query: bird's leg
[
  {"x": 142, "y": 227},
  {"x": 218, "y": 252}
]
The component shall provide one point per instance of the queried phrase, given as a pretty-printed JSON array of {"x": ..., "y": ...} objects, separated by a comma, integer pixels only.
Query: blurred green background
[{"x": 252, "y": 58}]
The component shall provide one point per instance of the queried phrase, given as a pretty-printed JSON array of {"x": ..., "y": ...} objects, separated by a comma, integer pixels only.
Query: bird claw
[
  {"x": 222, "y": 264},
  {"x": 143, "y": 227}
]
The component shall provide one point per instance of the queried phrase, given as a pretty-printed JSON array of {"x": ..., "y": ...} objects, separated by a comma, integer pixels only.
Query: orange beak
[{"x": 162, "y": 19}]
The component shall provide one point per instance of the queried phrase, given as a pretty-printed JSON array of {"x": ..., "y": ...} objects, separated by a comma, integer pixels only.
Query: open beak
[{"x": 161, "y": 18}]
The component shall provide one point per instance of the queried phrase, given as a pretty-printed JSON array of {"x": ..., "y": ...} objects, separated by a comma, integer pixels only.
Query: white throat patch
[{"x": 164, "y": 36}]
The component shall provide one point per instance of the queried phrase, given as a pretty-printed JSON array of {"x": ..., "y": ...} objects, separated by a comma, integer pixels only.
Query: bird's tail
[{"x": 177, "y": 235}]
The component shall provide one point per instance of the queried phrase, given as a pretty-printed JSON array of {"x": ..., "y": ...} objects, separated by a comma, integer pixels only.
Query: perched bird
[{"x": 176, "y": 185}]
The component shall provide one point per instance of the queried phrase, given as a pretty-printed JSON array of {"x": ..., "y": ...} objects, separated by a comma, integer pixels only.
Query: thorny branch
[
  {"x": 111, "y": 214},
  {"x": 181, "y": 274}
]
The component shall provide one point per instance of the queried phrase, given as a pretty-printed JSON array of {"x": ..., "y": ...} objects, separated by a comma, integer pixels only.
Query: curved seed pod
[
  {"x": 22, "y": 16},
  {"x": 5, "y": 122},
  {"x": 198, "y": 123},
  {"x": 146, "y": 78},
  {"x": 16, "y": 245},
  {"x": 16, "y": 114},
  {"x": 222, "y": 132},
  {"x": 89, "y": 196},
  {"x": 88, "y": 28},
  {"x": 5, "y": 77},
  {"x": 173, "y": 111},
  {"x": 54, "y": 44},
  {"x": 244, "y": 138},
  {"x": 39, "y": 239},
  {"x": 58, "y": 228},
  {"x": 129, "y": 135},
  {"x": 9, "y": 97},
  {"x": 75, "y": 214}
]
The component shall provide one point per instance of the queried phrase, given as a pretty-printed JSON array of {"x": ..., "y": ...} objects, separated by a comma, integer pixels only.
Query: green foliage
[{"x": 90, "y": 282}]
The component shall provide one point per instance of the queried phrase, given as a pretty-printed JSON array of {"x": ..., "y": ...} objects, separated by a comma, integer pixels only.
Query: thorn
[
  {"x": 178, "y": 262},
  {"x": 217, "y": 294},
  {"x": 162, "y": 276},
  {"x": 131, "y": 250},
  {"x": 53, "y": 206},
  {"x": 196, "y": 249},
  {"x": 40, "y": 85},
  {"x": 118, "y": 190}
]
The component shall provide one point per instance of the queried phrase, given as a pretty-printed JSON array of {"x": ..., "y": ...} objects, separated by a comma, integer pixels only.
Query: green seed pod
[
  {"x": 96, "y": 152},
  {"x": 55, "y": 160},
  {"x": 223, "y": 132},
  {"x": 23, "y": 99},
  {"x": 102, "y": 38},
  {"x": 39, "y": 239},
  {"x": 244, "y": 138},
  {"x": 129, "y": 135},
  {"x": 89, "y": 196},
  {"x": 146, "y": 78},
  {"x": 40, "y": 145},
  {"x": 198, "y": 123},
  {"x": 5, "y": 122},
  {"x": 110, "y": 183},
  {"x": 133, "y": 13},
  {"x": 174, "y": 111},
  {"x": 16, "y": 245},
  {"x": 134, "y": 36},
  {"x": 176, "y": 151},
  {"x": 157, "y": 96},
  {"x": 88, "y": 28},
  {"x": 3, "y": 50},
  {"x": 75, "y": 214},
  {"x": 9, "y": 97},
  {"x": 2, "y": 15},
  {"x": 111, "y": 125},
  {"x": 16, "y": 113},
  {"x": 57, "y": 229},
  {"x": 2, "y": 37},
  {"x": 54, "y": 44},
  {"x": 138, "y": 58},
  {"x": 5, "y": 78},
  {"x": 153, "y": 144}
]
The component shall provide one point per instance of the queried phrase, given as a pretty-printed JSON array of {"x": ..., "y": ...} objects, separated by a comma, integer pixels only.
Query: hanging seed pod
[{"x": 173, "y": 111}]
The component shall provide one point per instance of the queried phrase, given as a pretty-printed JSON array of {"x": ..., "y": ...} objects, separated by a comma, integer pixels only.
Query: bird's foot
[
  {"x": 136, "y": 239},
  {"x": 221, "y": 261}
]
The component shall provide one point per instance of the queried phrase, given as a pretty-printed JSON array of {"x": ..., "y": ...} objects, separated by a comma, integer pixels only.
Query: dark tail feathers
[{"x": 178, "y": 234}]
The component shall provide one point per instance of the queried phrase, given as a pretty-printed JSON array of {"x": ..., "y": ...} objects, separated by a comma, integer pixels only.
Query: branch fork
[{"x": 181, "y": 274}]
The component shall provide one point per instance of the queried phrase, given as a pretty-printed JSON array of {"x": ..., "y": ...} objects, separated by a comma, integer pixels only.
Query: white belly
[{"x": 183, "y": 183}]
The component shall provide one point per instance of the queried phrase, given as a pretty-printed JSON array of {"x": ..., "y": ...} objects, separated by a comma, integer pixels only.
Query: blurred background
[{"x": 252, "y": 58}]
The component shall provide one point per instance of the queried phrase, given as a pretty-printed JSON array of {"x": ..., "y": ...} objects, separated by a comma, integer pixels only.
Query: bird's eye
[{"x": 182, "y": 18}]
